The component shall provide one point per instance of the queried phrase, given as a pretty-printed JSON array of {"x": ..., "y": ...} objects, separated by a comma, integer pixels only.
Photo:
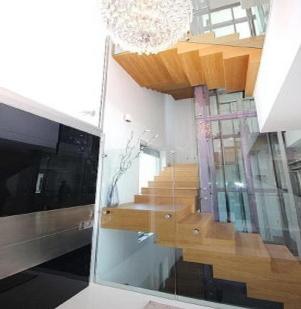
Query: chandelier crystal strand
[{"x": 146, "y": 26}]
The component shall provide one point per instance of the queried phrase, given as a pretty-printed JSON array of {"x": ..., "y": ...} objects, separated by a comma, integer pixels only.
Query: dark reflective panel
[
  {"x": 44, "y": 165},
  {"x": 48, "y": 177},
  {"x": 47, "y": 285}
]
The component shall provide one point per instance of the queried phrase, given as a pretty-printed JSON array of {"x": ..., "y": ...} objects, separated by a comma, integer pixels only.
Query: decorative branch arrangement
[{"x": 131, "y": 152}]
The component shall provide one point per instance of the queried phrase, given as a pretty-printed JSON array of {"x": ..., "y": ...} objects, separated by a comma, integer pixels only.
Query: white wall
[
  {"x": 277, "y": 92},
  {"x": 51, "y": 52},
  {"x": 180, "y": 129},
  {"x": 121, "y": 258}
]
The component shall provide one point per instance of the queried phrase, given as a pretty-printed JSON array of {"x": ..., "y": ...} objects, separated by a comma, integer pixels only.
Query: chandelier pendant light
[{"x": 146, "y": 26}]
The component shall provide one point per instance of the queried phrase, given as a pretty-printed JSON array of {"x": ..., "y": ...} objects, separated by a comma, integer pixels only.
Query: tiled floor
[{"x": 102, "y": 297}]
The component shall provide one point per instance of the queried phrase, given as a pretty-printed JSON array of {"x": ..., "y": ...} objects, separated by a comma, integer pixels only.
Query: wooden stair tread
[
  {"x": 221, "y": 231},
  {"x": 174, "y": 184},
  {"x": 150, "y": 207},
  {"x": 251, "y": 245},
  {"x": 280, "y": 252},
  {"x": 196, "y": 218},
  {"x": 176, "y": 189},
  {"x": 163, "y": 195},
  {"x": 192, "y": 229},
  {"x": 176, "y": 178}
]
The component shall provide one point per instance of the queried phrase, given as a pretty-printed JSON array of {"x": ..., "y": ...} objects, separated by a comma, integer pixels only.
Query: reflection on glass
[
  {"x": 243, "y": 29},
  {"x": 221, "y": 16},
  {"x": 206, "y": 229},
  {"x": 224, "y": 31},
  {"x": 44, "y": 165}
]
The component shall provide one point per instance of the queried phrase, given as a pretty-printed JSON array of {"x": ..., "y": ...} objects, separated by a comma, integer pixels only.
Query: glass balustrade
[{"x": 207, "y": 211}]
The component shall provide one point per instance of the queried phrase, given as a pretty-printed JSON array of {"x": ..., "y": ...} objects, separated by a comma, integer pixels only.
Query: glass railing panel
[{"x": 138, "y": 216}]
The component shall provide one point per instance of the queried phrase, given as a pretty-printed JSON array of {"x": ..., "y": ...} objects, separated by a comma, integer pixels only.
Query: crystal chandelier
[{"x": 146, "y": 26}]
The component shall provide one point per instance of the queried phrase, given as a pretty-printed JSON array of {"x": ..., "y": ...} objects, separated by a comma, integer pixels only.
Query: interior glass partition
[
  {"x": 256, "y": 187},
  {"x": 207, "y": 211},
  {"x": 135, "y": 243}
]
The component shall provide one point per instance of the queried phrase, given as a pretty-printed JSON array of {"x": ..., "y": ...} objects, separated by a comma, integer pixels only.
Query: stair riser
[
  {"x": 172, "y": 184},
  {"x": 184, "y": 165},
  {"x": 176, "y": 178},
  {"x": 163, "y": 200},
  {"x": 266, "y": 291},
  {"x": 165, "y": 228},
  {"x": 182, "y": 168},
  {"x": 169, "y": 192},
  {"x": 186, "y": 233},
  {"x": 181, "y": 173}
]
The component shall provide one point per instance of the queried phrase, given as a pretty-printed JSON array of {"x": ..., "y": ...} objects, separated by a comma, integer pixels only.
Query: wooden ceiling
[{"x": 225, "y": 62}]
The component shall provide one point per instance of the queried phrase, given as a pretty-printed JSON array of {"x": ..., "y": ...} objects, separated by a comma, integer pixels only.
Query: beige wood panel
[
  {"x": 252, "y": 42},
  {"x": 126, "y": 217},
  {"x": 191, "y": 64},
  {"x": 182, "y": 93},
  {"x": 202, "y": 38},
  {"x": 220, "y": 234},
  {"x": 170, "y": 191},
  {"x": 176, "y": 71},
  {"x": 213, "y": 70},
  {"x": 173, "y": 184},
  {"x": 228, "y": 51},
  {"x": 252, "y": 72},
  {"x": 185, "y": 165},
  {"x": 173, "y": 65},
  {"x": 176, "y": 178},
  {"x": 283, "y": 261},
  {"x": 140, "y": 217},
  {"x": 155, "y": 66},
  {"x": 186, "y": 47},
  {"x": 167, "y": 200},
  {"x": 179, "y": 173},
  {"x": 126, "y": 60},
  {"x": 275, "y": 290},
  {"x": 193, "y": 228},
  {"x": 236, "y": 73},
  {"x": 164, "y": 224},
  {"x": 251, "y": 245}
]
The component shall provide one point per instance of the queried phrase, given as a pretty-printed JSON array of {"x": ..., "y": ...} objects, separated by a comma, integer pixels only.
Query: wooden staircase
[
  {"x": 224, "y": 62},
  {"x": 168, "y": 208}
]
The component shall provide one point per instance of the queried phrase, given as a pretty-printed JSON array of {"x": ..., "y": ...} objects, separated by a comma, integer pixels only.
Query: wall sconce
[{"x": 127, "y": 118}]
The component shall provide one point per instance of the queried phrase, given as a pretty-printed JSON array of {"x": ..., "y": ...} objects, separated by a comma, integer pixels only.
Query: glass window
[
  {"x": 243, "y": 29},
  {"x": 239, "y": 12},
  {"x": 221, "y": 16},
  {"x": 224, "y": 30},
  {"x": 205, "y": 19}
]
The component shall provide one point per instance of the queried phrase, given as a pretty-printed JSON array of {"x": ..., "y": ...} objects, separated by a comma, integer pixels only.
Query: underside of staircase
[
  {"x": 224, "y": 62},
  {"x": 167, "y": 207}
]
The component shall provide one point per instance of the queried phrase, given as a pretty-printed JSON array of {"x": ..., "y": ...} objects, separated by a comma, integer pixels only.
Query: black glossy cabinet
[
  {"x": 44, "y": 165},
  {"x": 48, "y": 175}
]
